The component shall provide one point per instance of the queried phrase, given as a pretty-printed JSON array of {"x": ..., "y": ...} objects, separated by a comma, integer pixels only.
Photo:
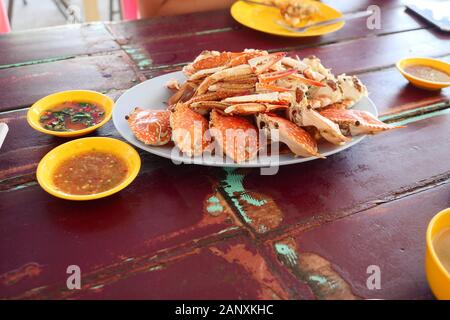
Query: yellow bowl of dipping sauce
[
  {"x": 425, "y": 73},
  {"x": 88, "y": 168},
  {"x": 70, "y": 113},
  {"x": 437, "y": 258}
]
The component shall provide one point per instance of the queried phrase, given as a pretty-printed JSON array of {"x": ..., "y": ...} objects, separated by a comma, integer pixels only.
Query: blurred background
[{"x": 30, "y": 14}]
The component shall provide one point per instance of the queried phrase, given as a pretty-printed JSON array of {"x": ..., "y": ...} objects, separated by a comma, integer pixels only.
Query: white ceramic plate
[{"x": 153, "y": 94}]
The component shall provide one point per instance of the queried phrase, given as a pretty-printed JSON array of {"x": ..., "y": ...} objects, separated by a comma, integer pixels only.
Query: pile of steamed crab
[{"x": 253, "y": 93}]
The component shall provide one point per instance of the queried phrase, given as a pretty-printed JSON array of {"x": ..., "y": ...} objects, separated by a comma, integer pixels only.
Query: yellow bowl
[
  {"x": 51, "y": 161},
  {"x": 419, "y": 82},
  {"x": 438, "y": 277},
  {"x": 52, "y": 100}
]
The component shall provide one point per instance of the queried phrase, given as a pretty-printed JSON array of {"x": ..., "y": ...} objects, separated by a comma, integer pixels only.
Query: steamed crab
[{"x": 230, "y": 99}]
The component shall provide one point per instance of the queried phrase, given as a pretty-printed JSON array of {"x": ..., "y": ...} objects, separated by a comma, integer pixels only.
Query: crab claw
[
  {"x": 304, "y": 115},
  {"x": 356, "y": 122},
  {"x": 150, "y": 126},
  {"x": 236, "y": 136},
  {"x": 204, "y": 107},
  {"x": 300, "y": 142},
  {"x": 189, "y": 130},
  {"x": 307, "y": 81},
  {"x": 263, "y": 63},
  {"x": 273, "y": 76}
]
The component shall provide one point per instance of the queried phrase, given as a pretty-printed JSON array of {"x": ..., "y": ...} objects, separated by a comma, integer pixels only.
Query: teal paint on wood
[
  {"x": 234, "y": 188},
  {"x": 287, "y": 252}
]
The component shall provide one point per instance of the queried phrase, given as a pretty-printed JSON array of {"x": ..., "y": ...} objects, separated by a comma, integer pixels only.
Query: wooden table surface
[{"x": 188, "y": 232}]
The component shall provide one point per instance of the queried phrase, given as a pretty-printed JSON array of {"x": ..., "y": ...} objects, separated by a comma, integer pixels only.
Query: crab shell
[
  {"x": 303, "y": 115},
  {"x": 300, "y": 142},
  {"x": 152, "y": 127},
  {"x": 356, "y": 122},
  {"x": 236, "y": 136},
  {"x": 189, "y": 130}
]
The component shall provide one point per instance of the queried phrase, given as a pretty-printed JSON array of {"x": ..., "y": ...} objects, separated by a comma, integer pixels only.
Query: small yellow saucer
[
  {"x": 34, "y": 113},
  {"x": 262, "y": 18},
  {"x": 438, "y": 277},
  {"x": 51, "y": 161},
  {"x": 419, "y": 82}
]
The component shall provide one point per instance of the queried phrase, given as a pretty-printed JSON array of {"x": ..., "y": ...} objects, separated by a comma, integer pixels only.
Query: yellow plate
[
  {"x": 419, "y": 82},
  {"x": 51, "y": 160},
  {"x": 262, "y": 18},
  {"x": 438, "y": 277},
  {"x": 52, "y": 100}
]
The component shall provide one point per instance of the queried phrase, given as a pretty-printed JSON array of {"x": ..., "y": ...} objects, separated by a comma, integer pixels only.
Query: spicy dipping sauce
[
  {"x": 72, "y": 116},
  {"x": 427, "y": 73},
  {"x": 90, "y": 173}
]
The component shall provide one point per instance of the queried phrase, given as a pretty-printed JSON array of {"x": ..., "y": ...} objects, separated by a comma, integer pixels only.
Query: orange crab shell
[
  {"x": 225, "y": 58},
  {"x": 236, "y": 136},
  {"x": 152, "y": 127},
  {"x": 189, "y": 130}
]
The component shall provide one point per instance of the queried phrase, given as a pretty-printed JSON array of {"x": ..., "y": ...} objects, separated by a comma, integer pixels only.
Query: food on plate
[
  {"x": 295, "y": 12},
  {"x": 90, "y": 172},
  {"x": 150, "y": 126},
  {"x": 427, "y": 73},
  {"x": 241, "y": 142},
  {"x": 189, "y": 130},
  {"x": 255, "y": 93},
  {"x": 72, "y": 116}
]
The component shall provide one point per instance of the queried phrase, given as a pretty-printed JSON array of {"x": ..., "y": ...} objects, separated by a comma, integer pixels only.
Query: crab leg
[
  {"x": 185, "y": 93},
  {"x": 272, "y": 76},
  {"x": 217, "y": 95},
  {"x": 252, "y": 108},
  {"x": 245, "y": 79},
  {"x": 264, "y": 87},
  {"x": 240, "y": 70},
  {"x": 297, "y": 139},
  {"x": 205, "y": 72},
  {"x": 271, "y": 97},
  {"x": 203, "y": 107},
  {"x": 231, "y": 86},
  {"x": 263, "y": 63},
  {"x": 356, "y": 122},
  {"x": 307, "y": 81}
]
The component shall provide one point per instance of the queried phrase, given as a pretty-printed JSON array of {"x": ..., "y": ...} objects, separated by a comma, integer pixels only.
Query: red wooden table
[{"x": 184, "y": 231}]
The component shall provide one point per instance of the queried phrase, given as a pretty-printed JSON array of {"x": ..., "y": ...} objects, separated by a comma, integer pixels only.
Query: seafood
[
  {"x": 231, "y": 100},
  {"x": 295, "y": 11},
  {"x": 356, "y": 122},
  {"x": 150, "y": 126},
  {"x": 189, "y": 130},
  {"x": 236, "y": 136},
  {"x": 300, "y": 142}
]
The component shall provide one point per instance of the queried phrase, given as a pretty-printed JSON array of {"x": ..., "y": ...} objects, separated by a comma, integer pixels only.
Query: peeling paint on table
[{"x": 257, "y": 210}]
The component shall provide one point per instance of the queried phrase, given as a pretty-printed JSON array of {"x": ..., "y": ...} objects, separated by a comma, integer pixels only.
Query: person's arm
[{"x": 151, "y": 8}]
